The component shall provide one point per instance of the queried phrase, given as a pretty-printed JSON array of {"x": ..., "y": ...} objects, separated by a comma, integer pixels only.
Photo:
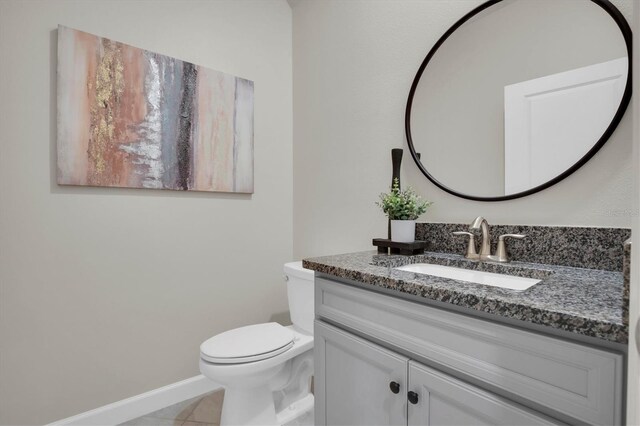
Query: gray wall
[
  {"x": 108, "y": 293},
  {"x": 354, "y": 62}
]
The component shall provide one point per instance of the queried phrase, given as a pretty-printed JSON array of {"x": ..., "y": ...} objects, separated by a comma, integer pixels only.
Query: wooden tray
[{"x": 407, "y": 249}]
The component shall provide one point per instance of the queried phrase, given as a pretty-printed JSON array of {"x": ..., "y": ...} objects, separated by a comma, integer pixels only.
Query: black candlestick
[{"x": 396, "y": 161}]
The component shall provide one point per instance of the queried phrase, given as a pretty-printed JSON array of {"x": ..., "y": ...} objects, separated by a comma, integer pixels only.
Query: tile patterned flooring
[{"x": 202, "y": 410}]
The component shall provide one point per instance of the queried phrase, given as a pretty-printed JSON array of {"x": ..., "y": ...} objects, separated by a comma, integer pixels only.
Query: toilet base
[
  {"x": 248, "y": 407},
  {"x": 300, "y": 413},
  {"x": 255, "y": 407}
]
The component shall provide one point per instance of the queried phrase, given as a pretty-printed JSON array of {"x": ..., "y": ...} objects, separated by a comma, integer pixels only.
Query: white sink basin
[{"x": 478, "y": 277}]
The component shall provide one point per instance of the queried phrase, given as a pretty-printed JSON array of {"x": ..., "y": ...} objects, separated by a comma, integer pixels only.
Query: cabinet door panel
[
  {"x": 444, "y": 400},
  {"x": 352, "y": 378}
]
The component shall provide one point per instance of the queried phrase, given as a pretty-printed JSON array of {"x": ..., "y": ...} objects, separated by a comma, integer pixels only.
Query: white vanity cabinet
[
  {"x": 450, "y": 368},
  {"x": 356, "y": 378},
  {"x": 440, "y": 399},
  {"x": 361, "y": 383}
]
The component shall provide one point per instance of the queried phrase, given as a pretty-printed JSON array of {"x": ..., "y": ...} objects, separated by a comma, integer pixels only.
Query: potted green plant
[{"x": 402, "y": 208}]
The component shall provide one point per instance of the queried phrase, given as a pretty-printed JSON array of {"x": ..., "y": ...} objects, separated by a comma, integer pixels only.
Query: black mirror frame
[{"x": 622, "y": 23}]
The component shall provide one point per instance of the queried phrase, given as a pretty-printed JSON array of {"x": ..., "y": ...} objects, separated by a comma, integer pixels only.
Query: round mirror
[{"x": 519, "y": 94}]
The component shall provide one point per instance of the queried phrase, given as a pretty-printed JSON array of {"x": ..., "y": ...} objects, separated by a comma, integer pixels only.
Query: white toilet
[{"x": 266, "y": 368}]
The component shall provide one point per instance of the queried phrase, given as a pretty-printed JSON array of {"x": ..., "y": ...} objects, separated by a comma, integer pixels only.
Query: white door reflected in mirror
[{"x": 550, "y": 122}]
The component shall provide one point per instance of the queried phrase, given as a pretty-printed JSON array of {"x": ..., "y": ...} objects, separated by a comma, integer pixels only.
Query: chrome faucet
[{"x": 485, "y": 246}]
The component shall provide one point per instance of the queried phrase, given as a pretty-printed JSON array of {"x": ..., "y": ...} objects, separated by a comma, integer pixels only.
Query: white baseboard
[{"x": 139, "y": 405}]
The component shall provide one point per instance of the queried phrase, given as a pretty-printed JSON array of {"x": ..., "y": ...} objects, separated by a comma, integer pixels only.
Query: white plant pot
[{"x": 403, "y": 231}]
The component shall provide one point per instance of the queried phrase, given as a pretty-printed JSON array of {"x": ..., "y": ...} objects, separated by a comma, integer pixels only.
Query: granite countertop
[{"x": 588, "y": 302}]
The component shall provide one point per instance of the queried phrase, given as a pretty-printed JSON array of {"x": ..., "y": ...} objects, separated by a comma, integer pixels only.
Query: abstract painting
[{"x": 132, "y": 118}]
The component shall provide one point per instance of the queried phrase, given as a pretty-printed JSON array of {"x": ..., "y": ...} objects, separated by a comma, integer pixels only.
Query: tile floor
[
  {"x": 203, "y": 410},
  {"x": 200, "y": 411}
]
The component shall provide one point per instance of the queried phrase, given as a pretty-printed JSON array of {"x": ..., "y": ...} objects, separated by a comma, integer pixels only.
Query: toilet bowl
[{"x": 266, "y": 369}]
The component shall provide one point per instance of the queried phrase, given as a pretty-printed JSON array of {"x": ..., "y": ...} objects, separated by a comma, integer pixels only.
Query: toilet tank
[{"x": 300, "y": 294}]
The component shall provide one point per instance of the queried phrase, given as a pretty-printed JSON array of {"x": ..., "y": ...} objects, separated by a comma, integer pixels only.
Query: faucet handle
[
  {"x": 501, "y": 253},
  {"x": 518, "y": 236},
  {"x": 471, "y": 248}
]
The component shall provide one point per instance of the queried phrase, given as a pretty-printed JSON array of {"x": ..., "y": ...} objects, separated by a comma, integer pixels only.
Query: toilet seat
[{"x": 247, "y": 344}]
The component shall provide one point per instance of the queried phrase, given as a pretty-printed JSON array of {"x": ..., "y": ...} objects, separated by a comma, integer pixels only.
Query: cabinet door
[
  {"x": 443, "y": 400},
  {"x": 353, "y": 381}
]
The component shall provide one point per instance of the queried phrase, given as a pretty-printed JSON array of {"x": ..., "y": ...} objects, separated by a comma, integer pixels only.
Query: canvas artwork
[{"x": 132, "y": 118}]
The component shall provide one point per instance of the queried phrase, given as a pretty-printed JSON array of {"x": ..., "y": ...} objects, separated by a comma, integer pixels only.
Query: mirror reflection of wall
[{"x": 561, "y": 72}]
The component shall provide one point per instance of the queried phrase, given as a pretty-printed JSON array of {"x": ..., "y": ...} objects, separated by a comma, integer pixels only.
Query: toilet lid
[{"x": 247, "y": 344}]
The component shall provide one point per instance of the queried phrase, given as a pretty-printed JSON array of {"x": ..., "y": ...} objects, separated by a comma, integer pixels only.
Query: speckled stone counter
[
  {"x": 580, "y": 247},
  {"x": 626, "y": 272},
  {"x": 588, "y": 302}
]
